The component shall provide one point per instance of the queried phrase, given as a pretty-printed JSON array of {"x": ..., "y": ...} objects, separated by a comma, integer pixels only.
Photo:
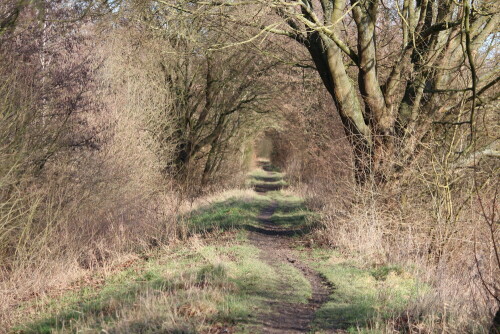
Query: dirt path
[{"x": 275, "y": 245}]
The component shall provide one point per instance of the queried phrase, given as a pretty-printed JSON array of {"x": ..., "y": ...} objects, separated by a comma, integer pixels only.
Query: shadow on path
[{"x": 273, "y": 239}]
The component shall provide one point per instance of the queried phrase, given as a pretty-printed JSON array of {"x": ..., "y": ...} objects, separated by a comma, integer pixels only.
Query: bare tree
[
  {"x": 389, "y": 92},
  {"x": 212, "y": 94}
]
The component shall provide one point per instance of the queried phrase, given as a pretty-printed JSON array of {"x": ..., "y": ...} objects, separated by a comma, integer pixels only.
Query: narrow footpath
[{"x": 275, "y": 243}]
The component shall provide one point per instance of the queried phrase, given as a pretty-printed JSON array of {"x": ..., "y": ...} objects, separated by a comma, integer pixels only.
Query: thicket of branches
[
  {"x": 111, "y": 119},
  {"x": 385, "y": 113}
]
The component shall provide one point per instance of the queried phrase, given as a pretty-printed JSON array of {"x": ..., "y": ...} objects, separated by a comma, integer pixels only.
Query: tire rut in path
[{"x": 275, "y": 246}]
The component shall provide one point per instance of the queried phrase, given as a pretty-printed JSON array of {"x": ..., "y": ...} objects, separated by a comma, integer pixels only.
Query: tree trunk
[{"x": 333, "y": 74}]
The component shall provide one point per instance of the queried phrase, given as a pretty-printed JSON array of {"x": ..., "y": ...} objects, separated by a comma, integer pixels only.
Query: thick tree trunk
[{"x": 332, "y": 72}]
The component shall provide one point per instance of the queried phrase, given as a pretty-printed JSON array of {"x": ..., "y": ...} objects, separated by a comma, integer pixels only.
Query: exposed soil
[
  {"x": 275, "y": 245},
  {"x": 265, "y": 187}
]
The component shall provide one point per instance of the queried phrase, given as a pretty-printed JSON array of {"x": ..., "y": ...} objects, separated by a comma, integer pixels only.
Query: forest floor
[{"x": 247, "y": 266}]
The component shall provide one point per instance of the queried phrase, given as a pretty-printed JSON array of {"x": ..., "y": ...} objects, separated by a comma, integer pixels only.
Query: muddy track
[
  {"x": 265, "y": 187},
  {"x": 275, "y": 245}
]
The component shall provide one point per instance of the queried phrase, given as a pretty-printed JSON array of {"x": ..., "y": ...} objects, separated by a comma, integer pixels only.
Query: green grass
[
  {"x": 261, "y": 173},
  {"x": 259, "y": 177},
  {"x": 241, "y": 213},
  {"x": 363, "y": 299},
  {"x": 90, "y": 303},
  {"x": 254, "y": 182},
  {"x": 229, "y": 280},
  {"x": 234, "y": 213}
]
